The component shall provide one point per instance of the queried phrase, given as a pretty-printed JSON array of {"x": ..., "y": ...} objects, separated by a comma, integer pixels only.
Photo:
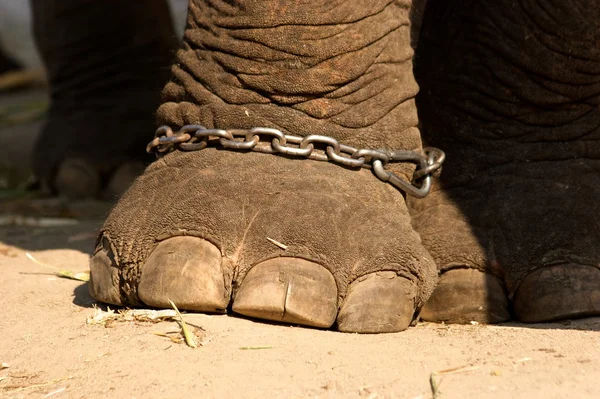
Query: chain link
[{"x": 316, "y": 147}]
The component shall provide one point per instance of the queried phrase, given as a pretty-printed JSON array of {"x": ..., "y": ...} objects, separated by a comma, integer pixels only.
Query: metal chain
[{"x": 320, "y": 148}]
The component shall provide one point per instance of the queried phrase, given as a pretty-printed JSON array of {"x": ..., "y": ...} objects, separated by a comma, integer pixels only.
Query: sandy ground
[
  {"x": 48, "y": 350},
  {"x": 49, "y": 347}
]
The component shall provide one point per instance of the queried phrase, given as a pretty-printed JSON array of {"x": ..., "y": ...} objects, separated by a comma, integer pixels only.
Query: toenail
[
  {"x": 290, "y": 290},
  {"x": 187, "y": 271},
  {"x": 380, "y": 302}
]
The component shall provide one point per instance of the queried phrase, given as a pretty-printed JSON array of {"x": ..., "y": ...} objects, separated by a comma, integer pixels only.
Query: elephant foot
[
  {"x": 272, "y": 237},
  {"x": 87, "y": 165},
  {"x": 533, "y": 255},
  {"x": 198, "y": 229}
]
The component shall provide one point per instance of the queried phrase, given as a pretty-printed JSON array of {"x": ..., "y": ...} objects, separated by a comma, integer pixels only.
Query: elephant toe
[
  {"x": 289, "y": 290},
  {"x": 558, "y": 292},
  {"x": 104, "y": 276},
  {"x": 465, "y": 295},
  {"x": 380, "y": 302},
  {"x": 187, "y": 271}
]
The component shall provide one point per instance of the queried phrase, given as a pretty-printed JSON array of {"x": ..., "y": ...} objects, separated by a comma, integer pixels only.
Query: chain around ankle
[{"x": 316, "y": 147}]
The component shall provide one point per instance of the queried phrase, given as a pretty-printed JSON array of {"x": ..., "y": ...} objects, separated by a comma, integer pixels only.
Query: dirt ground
[{"x": 47, "y": 349}]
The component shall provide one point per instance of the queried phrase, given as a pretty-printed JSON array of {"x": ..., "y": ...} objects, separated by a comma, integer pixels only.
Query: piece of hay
[
  {"x": 187, "y": 334},
  {"x": 177, "y": 338},
  {"x": 59, "y": 390},
  {"x": 102, "y": 317},
  {"x": 523, "y": 360},
  {"x": 79, "y": 276},
  {"x": 26, "y": 221},
  {"x": 280, "y": 245},
  {"x": 253, "y": 348},
  {"x": 435, "y": 385},
  {"x": 15, "y": 388},
  {"x": 150, "y": 315},
  {"x": 23, "y": 77},
  {"x": 174, "y": 338}
]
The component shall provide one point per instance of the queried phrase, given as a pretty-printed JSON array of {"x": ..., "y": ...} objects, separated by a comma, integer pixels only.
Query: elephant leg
[
  {"x": 273, "y": 237},
  {"x": 106, "y": 63},
  {"x": 510, "y": 90}
]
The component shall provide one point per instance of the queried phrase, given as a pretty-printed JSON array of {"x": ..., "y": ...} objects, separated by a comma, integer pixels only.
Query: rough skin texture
[
  {"x": 509, "y": 89},
  {"x": 332, "y": 68}
]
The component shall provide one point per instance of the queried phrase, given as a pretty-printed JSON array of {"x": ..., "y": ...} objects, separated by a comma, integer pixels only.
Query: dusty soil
[{"x": 48, "y": 350}]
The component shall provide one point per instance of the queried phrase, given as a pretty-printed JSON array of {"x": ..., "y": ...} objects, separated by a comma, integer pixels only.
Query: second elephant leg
[
  {"x": 106, "y": 62},
  {"x": 511, "y": 91}
]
